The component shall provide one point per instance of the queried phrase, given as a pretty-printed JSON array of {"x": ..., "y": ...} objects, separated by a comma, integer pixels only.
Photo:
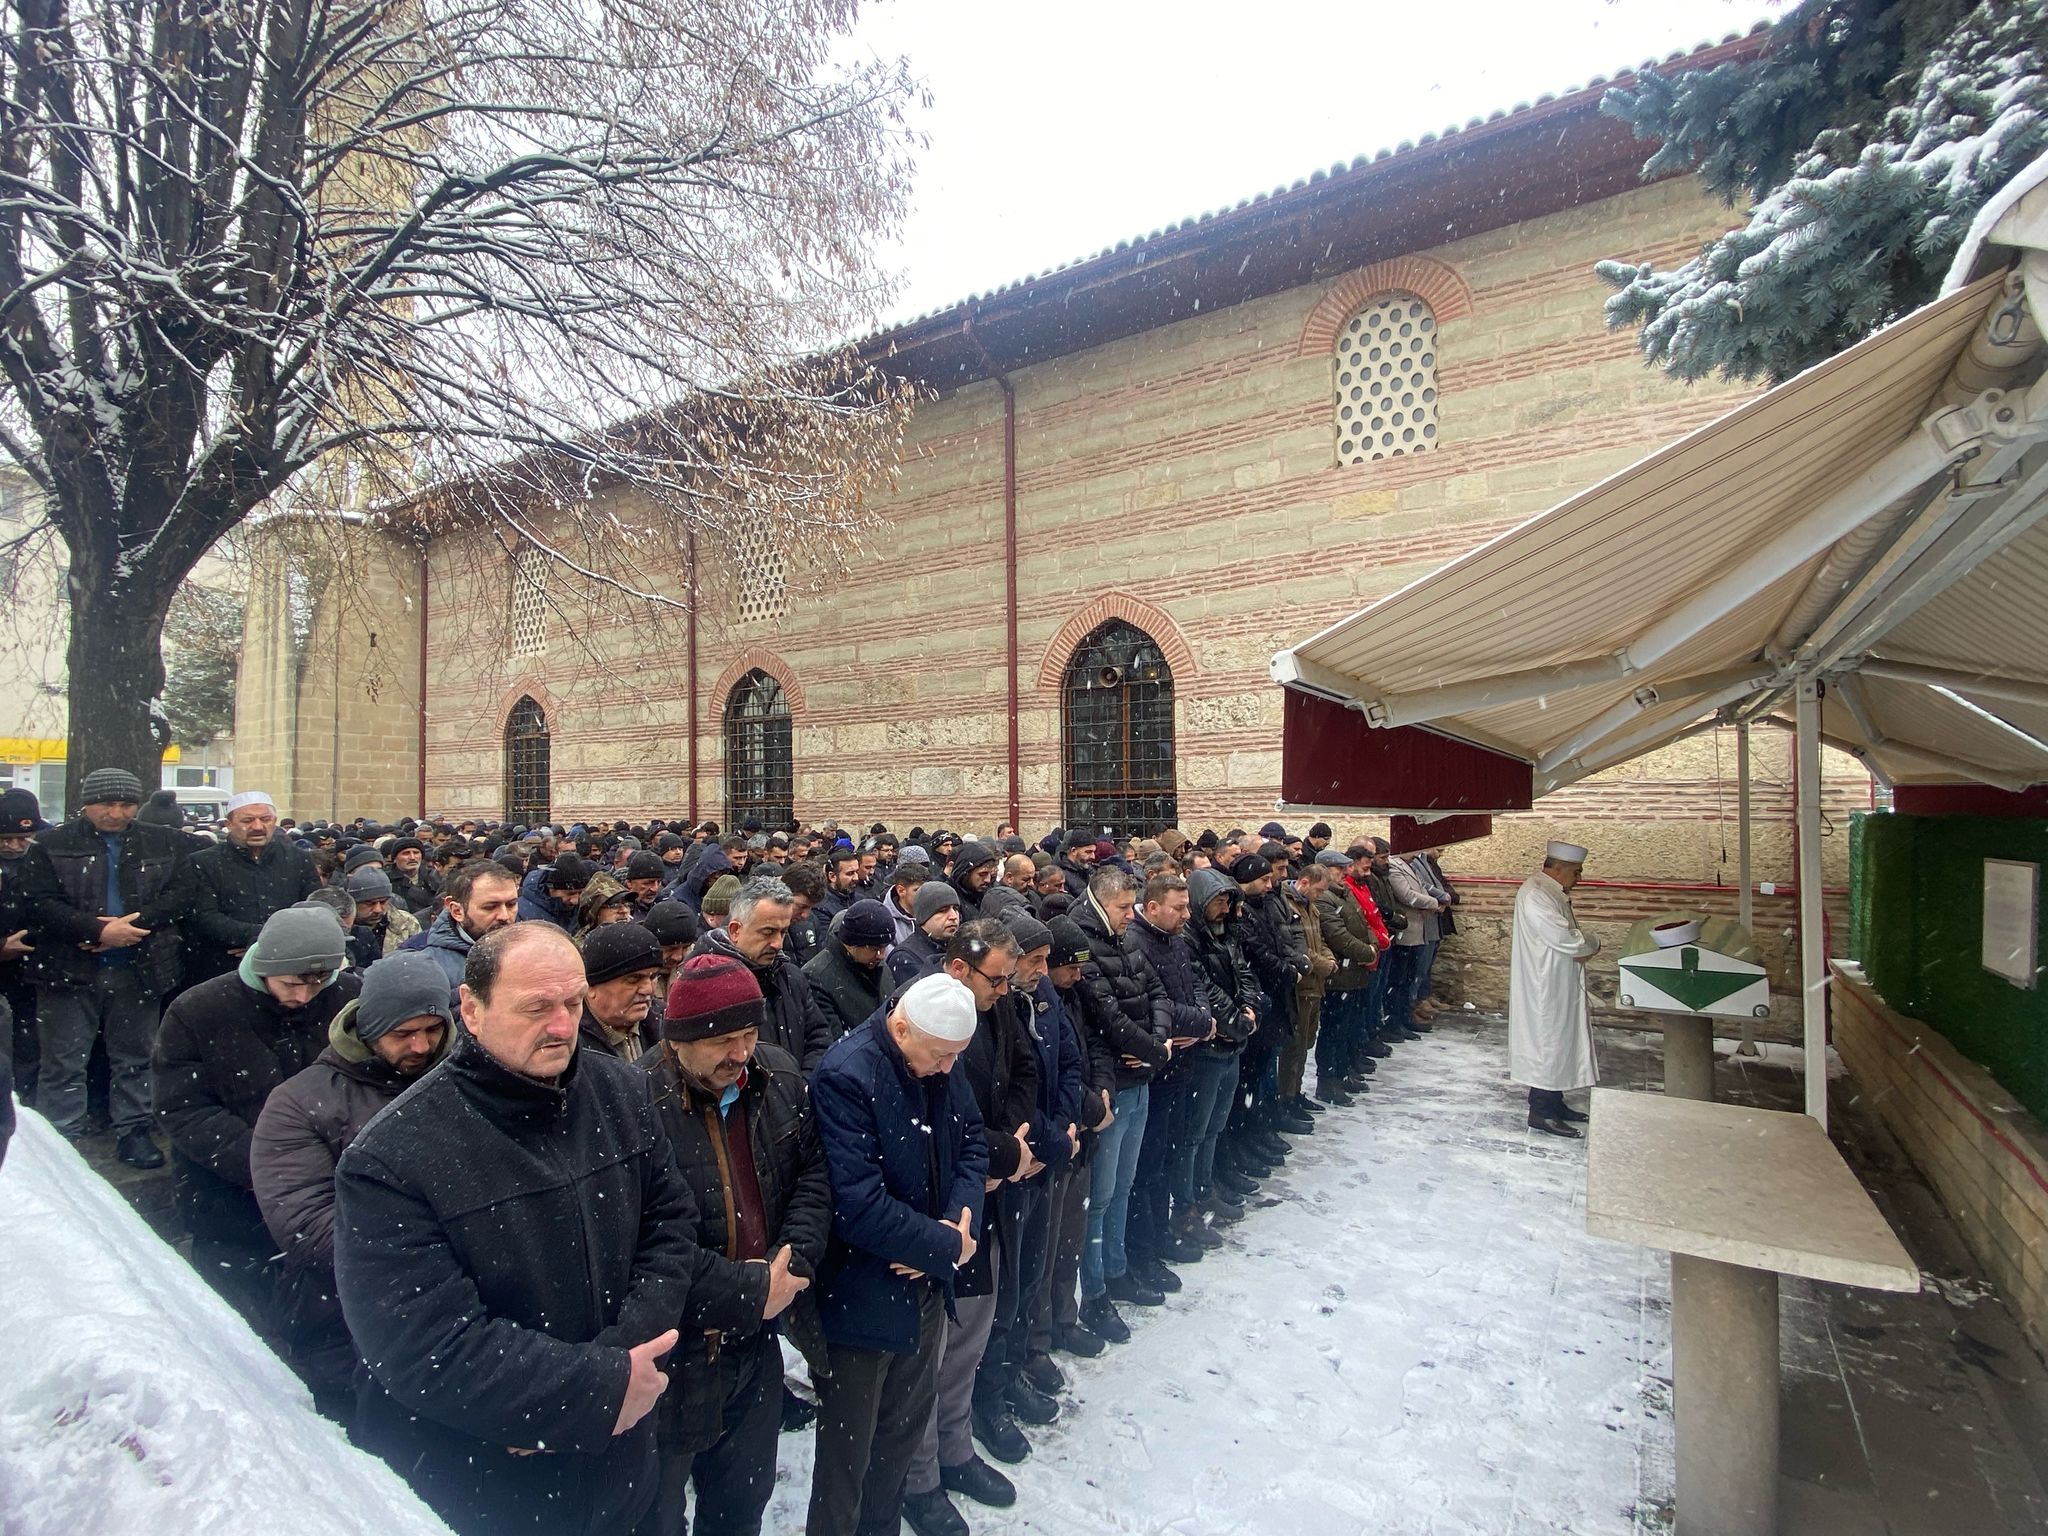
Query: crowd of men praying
[{"x": 530, "y": 1148}]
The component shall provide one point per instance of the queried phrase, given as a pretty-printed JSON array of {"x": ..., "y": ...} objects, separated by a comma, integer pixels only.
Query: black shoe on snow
[
  {"x": 1043, "y": 1372},
  {"x": 138, "y": 1151},
  {"x": 977, "y": 1480},
  {"x": 1132, "y": 1292},
  {"x": 1079, "y": 1341},
  {"x": 1000, "y": 1436},
  {"x": 1029, "y": 1405},
  {"x": 1104, "y": 1323},
  {"x": 933, "y": 1514}
]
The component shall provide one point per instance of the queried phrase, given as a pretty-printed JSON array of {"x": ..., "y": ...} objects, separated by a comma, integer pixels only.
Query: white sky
[{"x": 1059, "y": 127}]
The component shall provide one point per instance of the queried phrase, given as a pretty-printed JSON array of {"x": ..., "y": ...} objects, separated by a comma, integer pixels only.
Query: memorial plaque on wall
[{"x": 2012, "y": 919}]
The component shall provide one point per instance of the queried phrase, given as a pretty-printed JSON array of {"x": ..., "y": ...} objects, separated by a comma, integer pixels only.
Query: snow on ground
[
  {"x": 134, "y": 1402},
  {"x": 1416, "y": 1339}
]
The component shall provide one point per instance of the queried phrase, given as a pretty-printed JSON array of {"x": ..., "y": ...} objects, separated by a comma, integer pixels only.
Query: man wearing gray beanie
[
  {"x": 936, "y": 911},
  {"x": 104, "y": 897},
  {"x": 225, "y": 1044},
  {"x": 380, "y": 925},
  {"x": 396, "y": 1029}
]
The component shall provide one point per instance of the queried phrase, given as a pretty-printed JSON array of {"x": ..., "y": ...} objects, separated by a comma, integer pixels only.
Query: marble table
[{"x": 1737, "y": 1197}]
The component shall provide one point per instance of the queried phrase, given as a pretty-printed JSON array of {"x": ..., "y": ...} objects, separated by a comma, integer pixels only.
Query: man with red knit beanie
[{"x": 739, "y": 1122}]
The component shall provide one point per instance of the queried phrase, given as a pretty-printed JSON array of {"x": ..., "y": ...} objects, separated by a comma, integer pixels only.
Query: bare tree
[{"x": 320, "y": 253}]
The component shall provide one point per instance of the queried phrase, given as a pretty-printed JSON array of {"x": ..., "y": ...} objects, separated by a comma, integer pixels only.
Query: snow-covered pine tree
[{"x": 1866, "y": 136}]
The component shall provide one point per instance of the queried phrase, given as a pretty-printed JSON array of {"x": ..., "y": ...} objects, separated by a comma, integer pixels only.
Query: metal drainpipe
[
  {"x": 690, "y": 594},
  {"x": 423, "y": 681},
  {"x": 1009, "y": 551}
]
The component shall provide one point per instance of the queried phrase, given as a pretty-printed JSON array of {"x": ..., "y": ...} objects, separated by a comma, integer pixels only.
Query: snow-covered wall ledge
[{"x": 132, "y": 1399}]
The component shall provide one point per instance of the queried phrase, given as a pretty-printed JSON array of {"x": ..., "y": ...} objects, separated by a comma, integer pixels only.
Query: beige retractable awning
[{"x": 1877, "y": 517}]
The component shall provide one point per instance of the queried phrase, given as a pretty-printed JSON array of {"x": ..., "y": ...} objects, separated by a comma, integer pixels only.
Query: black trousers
[
  {"x": 734, "y": 1475},
  {"x": 872, "y": 1411},
  {"x": 1166, "y": 1126},
  {"x": 1546, "y": 1103},
  {"x": 1021, "y": 1260}
]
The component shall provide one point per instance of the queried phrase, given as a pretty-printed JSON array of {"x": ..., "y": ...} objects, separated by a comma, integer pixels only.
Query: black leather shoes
[
  {"x": 1131, "y": 1291},
  {"x": 138, "y": 1151},
  {"x": 1553, "y": 1127},
  {"x": 1029, "y": 1405},
  {"x": 1079, "y": 1342},
  {"x": 1000, "y": 1436},
  {"x": 933, "y": 1514},
  {"x": 1043, "y": 1373},
  {"x": 1104, "y": 1323},
  {"x": 977, "y": 1480}
]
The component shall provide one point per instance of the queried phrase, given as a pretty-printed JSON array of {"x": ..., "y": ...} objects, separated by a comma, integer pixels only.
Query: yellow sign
[{"x": 48, "y": 749}]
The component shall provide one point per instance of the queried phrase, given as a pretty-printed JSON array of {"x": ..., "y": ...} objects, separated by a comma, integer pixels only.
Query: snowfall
[{"x": 1415, "y": 1337}]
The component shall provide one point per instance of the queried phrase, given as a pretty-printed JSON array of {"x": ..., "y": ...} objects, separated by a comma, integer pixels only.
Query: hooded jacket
[
  {"x": 223, "y": 1047},
  {"x": 538, "y": 904},
  {"x": 448, "y": 942},
  {"x": 304, "y": 1127},
  {"x": 1220, "y": 957}
]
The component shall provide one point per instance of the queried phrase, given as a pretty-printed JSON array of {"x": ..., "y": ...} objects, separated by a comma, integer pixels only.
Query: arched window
[
  {"x": 760, "y": 771},
  {"x": 1386, "y": 380},
  {"x": 1118, "y": 729},
  {"x": 528, "y": 792}
]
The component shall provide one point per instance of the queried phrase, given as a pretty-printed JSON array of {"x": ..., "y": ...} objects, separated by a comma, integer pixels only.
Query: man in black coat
[
  {"x": 513, "y": 1250},
  {"x": 739, "y": 1124},
  {"x": 1125, "y": 1005},
  {"x": 104, "y": 897},
  {"x": 238, "y": 883},
  {"x": 21, "y": 818},
  {"x": 225, "y": 1044},
  {"x": 755, "y": 926},
  {"x": 1056, "y": 1320},
  {"x": 413, "y": 885},
  {"x": 846, "y": 975}
]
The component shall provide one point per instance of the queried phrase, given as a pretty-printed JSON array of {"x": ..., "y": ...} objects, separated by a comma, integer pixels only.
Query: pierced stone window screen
[
  {"x": 760, "y": 572},
  {"x": 528, "y": 781},
  {"x": 529, "y": 601},
  {"x": 760, "y": 767},
  {"x": 1117, "y": 733},
  {"x": 1386, "y": 380}
]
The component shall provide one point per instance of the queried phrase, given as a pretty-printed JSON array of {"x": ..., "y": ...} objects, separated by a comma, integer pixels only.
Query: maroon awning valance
[{"x": 1330, "y": 757}]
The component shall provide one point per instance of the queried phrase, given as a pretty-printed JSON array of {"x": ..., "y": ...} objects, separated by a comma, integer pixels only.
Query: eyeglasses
[{"x": 995, "y": 983}]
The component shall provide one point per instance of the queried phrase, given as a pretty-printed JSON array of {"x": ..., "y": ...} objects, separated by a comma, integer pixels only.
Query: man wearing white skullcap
[
  {"x": 239, "y": 883},
  {"x": 903, "y": 1144},
  {"x": 1550, "y": 1037}
]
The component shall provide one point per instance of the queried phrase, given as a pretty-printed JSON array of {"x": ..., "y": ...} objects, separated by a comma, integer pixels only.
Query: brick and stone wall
[{"x": 1985, "y": 1155}]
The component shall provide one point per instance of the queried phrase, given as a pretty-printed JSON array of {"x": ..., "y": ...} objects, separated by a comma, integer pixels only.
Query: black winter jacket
[
  {"x": 916, "y": 956},
  {"x": 306, "y": 1124},
  {"x": 1122, "y": 1001},
  {"x": 846, "y": 993},
  {"x": 796, "y": 1201},
  {"x": 1228, "y": 976},
  {"x": 64, "y": 890},
  {"x": 500, "y": 1244},
  {"x": 1276, "y": 947},
  {"x": 233, "y": 891},
  {"x": 222, "y": 1049},
  {"x": 1196, "y": 1008},
  {"x": 795, "y": 1022}
]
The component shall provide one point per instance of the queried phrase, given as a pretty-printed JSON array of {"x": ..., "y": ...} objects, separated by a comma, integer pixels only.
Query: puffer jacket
[
  {"x": 64, "y": 882},
  {"x": 796, "y": 1207},
  {"x": 1274, "y": 946},
  {"x": 306, "y": 1124},
  {"x": 224, "y": 1046},
  {"x": 1122, "y": 1000},
  {"x": 795, "y": 1022},
  {"x": 1172, "y": 959}
]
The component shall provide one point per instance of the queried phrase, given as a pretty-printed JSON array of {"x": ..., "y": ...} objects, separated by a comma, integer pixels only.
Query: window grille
[
  {"x": 760, "y": 573},
  {"x": 1386, "y": 380},
  {"x": 528, "y": 791},
  {"x": 529, "y": 601},
  {"x": 760, "y": 768},
  {"x": 1118, "y": 733}
]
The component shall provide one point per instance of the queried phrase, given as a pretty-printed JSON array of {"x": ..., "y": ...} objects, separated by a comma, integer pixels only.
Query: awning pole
[
  {"x": 1745, "y": 909},
  {"x": 1813, "y": 975}
]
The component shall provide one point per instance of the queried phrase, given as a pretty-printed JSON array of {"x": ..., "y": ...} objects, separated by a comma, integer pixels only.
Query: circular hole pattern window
[{"x": 1386, "y": 380}]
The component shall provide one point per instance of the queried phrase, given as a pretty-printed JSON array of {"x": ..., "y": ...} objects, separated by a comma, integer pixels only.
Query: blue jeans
[
  {"x": 1211, "y": 1094},
  {"x": 1109, "y": 1192},
  {"x": 1425, "y": 968}
]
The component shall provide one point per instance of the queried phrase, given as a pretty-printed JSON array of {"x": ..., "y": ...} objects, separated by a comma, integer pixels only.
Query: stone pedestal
[
  {"x": 1724, "y": 1376},
  {"x": 1688, "y": 1057}
]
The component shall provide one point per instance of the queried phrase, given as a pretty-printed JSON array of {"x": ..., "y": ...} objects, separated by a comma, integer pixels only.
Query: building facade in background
[{"x": 1180, "y": 456}]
